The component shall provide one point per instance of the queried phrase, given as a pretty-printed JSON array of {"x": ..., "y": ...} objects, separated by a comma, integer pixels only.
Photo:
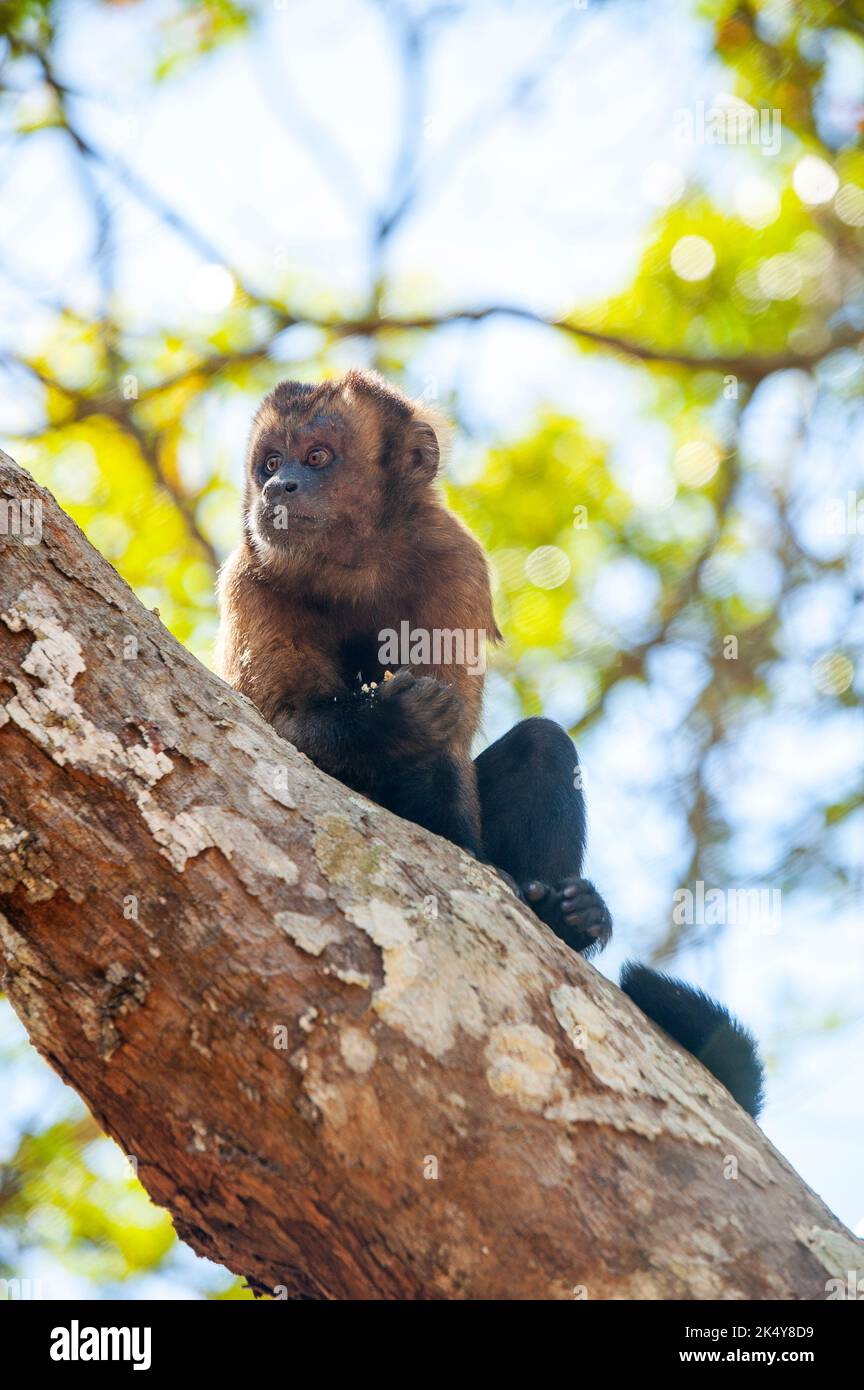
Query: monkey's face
[
  {"x": 326, "y": 465},
  {"x": 301, "y": 480}
]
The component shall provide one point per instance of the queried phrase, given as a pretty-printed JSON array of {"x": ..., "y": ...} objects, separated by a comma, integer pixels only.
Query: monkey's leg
[
  {"x": 438, "y": 793},
  {"x": 533, "y": 817}
]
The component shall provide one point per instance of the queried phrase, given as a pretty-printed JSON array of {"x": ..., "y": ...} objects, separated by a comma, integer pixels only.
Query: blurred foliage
[
  {"x": 197, "y": 29},
  {"x": 106, "y": 1224},
  {"x": 722, "y": 537}
]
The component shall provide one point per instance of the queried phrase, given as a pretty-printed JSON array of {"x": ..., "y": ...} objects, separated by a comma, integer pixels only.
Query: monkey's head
[{"x": 331, "y": 468}]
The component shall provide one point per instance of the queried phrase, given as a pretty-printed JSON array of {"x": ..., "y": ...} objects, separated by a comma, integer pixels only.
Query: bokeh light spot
[
  {"x": 693, "y": 258},
  {"x": 547, "y": 567}
]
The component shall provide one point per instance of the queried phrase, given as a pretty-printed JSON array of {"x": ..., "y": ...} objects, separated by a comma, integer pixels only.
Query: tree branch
[{"x": 343, "y": 1056}]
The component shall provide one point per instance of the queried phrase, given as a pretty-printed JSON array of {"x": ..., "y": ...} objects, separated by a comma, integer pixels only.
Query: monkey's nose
[{"x": 291, "y": 485}]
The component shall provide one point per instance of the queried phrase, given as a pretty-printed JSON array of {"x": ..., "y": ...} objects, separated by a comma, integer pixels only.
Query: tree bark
[{"x": 344, "y": 1057}]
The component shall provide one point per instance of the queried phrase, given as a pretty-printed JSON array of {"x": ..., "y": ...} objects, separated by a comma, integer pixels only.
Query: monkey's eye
[
  {"x": 272, "y": 462},
  {"x": 317, "y": 457}
]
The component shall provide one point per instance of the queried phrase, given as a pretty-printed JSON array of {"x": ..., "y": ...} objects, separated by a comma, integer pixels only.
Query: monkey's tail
[{"x": 704, "y": 1027}]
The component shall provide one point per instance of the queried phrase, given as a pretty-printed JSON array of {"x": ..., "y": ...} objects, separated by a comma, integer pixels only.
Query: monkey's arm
[
  {"x": 276, "y": 657},
  {"x": 372, "y": 735},
  {"x": 395, "y": 745},
  {"x": 329, "y": 730},
  {"x": 404, "y": 743}
]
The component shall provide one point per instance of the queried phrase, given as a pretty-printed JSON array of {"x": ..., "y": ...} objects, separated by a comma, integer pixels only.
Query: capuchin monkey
[{"x": 349, "y": 556}]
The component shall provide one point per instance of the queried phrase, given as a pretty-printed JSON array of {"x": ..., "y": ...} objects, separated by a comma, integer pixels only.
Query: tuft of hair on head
[
  {"x": 427, "y": 431},
  {"x": 391, "y": 400},
  {"x": 287, "y": 395}
]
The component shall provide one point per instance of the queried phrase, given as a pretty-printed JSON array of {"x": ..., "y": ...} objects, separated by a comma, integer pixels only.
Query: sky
[{"x": 545, "y": 209}]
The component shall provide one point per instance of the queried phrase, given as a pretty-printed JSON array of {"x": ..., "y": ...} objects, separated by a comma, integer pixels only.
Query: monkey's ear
[
  {"x": 422, "y": 449},
  {"x": 426, "y": 439}
]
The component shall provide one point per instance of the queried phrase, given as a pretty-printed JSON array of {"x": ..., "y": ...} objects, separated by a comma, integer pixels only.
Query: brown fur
[{"x": 373, "y": 545}]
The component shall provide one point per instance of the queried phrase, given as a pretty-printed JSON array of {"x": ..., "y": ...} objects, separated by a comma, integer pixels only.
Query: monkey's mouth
[{"x": 282, "y": 518}]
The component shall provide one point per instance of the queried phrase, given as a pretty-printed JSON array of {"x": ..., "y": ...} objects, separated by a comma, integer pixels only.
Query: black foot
[{"x": 574, "y": 910}]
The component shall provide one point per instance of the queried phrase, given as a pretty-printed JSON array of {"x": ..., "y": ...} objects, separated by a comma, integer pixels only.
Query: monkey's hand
[
  {"x": 574, "y": 910},
  {"x": 419, "y": 713}
]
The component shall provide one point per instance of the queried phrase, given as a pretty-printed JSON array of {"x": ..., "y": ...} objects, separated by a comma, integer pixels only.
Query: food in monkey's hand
[{"x": 368, "y": 686}]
